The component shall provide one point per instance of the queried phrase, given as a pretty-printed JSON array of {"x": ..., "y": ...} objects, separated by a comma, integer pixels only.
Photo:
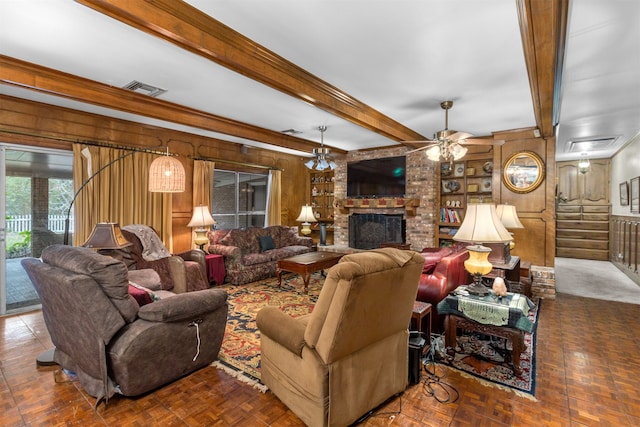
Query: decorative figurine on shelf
[
  {"x": 314, "y": 191},
  {"x": 499, "y": 287}
]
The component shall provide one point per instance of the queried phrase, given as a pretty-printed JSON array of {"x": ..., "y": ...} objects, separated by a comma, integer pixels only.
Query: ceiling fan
[{"x": 448, "y": 144}]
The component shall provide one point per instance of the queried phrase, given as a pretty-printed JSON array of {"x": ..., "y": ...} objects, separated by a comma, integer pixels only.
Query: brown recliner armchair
[
  {"x": 113, "y": 345},
  {"x": 351, "y": 353},
  {"x": 183, "y": 272}
]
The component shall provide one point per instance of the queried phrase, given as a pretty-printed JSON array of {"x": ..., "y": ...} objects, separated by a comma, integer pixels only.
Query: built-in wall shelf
[{"x": 410, "y": 205}]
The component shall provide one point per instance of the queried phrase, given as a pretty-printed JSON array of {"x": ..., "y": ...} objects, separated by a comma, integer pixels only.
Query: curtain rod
[
  {"x": 123, "y": 147},
  {"x": 86, "y": 142},
  {"x": 233, "y": 162}
]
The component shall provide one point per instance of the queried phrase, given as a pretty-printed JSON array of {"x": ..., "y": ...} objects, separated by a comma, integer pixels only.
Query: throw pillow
[
  {"x": 141, "y": 296},
  {"x": 266, "y": 243}
]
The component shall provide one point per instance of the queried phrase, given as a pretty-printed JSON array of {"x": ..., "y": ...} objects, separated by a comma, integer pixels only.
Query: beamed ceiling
[{"x": 374, "y": 72}]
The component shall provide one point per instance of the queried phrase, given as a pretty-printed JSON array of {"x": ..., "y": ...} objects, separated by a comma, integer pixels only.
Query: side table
[
  {"x": 215, "y": 268},
  {"x": 509, "y": 271},
  {"x": 516, "y": 336},
  {"x": 422, "y": 310}
]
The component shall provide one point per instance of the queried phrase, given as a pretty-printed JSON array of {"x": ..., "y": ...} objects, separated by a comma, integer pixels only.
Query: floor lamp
[{"x": 166, "y": 175}]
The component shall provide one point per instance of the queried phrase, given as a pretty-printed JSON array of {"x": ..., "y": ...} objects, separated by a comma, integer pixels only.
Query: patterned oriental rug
[
  {"x": 482, "y": 358},
  {"x": 240, "y": 352}
]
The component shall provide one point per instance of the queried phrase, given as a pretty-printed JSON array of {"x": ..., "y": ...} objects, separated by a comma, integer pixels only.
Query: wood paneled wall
[
  {"x": 535, "y": 243},
  {"x": 624, "y": 234},
  {"x": 32, "y": 123}
]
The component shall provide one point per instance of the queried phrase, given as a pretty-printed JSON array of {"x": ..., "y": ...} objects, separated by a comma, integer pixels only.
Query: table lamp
[
  {"x": 201, "y": 219},
  {"x": 106, "y": 235},
  {"x": 480, "y": 225},
  {"x": 306, "y": 217},
  {"x": 509, "y": 218}
]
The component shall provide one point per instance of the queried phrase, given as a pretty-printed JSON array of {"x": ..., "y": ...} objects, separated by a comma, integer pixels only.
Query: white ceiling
[{"x": 400, "y": 57}]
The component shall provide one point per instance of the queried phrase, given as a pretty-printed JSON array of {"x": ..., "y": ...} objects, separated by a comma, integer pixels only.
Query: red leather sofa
[{"x": 443, "y": 271}]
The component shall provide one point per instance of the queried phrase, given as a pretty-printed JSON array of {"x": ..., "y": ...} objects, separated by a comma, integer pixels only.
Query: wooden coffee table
[{"x": 306, "y": 264}]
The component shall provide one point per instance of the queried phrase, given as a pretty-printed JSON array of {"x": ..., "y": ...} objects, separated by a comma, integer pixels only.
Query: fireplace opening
[{"x": 368, "y": 231}]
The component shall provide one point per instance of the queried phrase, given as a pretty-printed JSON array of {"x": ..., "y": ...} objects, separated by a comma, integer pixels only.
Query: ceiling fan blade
[
  {"x": 459, "y": 135},
  {"x": 482, "y": 141},
  {"x": 424, "y": 141},
  {"x": 421, "y": 148}
]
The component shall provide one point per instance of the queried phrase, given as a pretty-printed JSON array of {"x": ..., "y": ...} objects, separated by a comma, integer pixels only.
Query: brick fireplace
[{"x": 421, "y": 178}]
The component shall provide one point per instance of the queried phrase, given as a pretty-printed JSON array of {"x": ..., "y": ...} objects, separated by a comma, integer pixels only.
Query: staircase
[{"x": 582, "y": 231}]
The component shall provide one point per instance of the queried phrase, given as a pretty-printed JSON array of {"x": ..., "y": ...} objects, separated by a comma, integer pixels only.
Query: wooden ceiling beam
[
  {"x": 543, "y": 25},
  {"x": 52, "y": 82},
  {"x": 195, "y": 31}
]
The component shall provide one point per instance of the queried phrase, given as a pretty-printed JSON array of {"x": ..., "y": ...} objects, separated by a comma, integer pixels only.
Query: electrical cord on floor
[
  {"x": 371, "y": 414},
  {"x": 432, "y": 384}
]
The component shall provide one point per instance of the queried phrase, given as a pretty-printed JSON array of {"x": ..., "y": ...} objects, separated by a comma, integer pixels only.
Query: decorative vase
[{"x": 323, "y": 234}]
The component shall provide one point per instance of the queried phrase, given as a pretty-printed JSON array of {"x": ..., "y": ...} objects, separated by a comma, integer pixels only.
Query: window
[{"x": 239, "y": 199}]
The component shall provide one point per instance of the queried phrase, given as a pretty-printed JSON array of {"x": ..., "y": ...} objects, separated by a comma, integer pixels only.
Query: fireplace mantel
[{"x": 409, "y": 204}]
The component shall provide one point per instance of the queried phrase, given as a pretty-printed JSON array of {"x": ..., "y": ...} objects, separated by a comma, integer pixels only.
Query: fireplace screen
[{"x": 368, "y": 231}]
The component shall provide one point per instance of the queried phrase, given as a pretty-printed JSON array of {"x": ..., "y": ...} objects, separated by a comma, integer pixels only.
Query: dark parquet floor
[{"x": 588, "y": 374}]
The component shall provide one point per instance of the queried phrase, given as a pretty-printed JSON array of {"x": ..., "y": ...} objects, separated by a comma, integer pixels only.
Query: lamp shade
[
  {"x": 106, "y": 235},
  {"x": 306, "y": 214},
  {"x": 508, "y": 216},
  {"x": 166, "y": 175},
  {"x": 201, "y": 217},
  {"x": 306, "y": 217},
  {"x": 481, "y": 224}
]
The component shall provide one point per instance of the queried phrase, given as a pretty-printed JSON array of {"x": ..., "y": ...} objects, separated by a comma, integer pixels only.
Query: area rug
[
  {"x": 482, "y": 358},
  {"x": 240, "y": 352}
]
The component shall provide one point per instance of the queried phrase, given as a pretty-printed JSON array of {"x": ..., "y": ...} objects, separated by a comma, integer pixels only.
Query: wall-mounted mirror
[{"x": 523, "y": 172}]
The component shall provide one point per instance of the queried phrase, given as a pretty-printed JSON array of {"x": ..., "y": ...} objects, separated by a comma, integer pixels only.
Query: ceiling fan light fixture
[
  {"x": 321, "y": 156},
  {"x": 457, "y": 151},
  {"x": 433, "y": 153}
]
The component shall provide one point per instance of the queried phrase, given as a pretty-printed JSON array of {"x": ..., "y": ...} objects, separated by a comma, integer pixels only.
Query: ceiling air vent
[
  {"x": 591, "y": 144},
  {"x": 144, "y": 88}
]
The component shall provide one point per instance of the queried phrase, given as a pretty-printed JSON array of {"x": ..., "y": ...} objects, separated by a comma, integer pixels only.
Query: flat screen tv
[{"x": 385, "y": 177}]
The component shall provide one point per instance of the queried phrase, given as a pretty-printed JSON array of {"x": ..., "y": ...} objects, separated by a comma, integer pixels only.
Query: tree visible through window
[{"x": 239, "y": 199}]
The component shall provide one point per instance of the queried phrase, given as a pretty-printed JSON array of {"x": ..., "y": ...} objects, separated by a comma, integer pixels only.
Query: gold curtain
[
  {"x": 202, "y": 185},
  {"x": 118, "y": 193},
  {"x": 274, "y": 211}
]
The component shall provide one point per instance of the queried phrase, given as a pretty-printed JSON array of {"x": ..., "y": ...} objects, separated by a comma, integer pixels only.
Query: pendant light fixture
[
  {"x": 321, "y": 156},
  {"x": 584, "y": 165},
  {"x": 166, "y": 175}
]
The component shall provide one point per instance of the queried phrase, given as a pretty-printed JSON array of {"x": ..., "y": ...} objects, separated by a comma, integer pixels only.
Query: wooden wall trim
[{"x": 624, "y": 250}]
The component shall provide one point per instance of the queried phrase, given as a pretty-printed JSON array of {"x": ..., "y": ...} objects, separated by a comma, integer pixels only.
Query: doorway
[
  {"x": 37, "y": 188},
  {"x": 583, "y": 210}
]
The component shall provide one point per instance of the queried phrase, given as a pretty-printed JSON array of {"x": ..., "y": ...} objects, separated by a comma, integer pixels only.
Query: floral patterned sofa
[{"x": 252, "y": 253}]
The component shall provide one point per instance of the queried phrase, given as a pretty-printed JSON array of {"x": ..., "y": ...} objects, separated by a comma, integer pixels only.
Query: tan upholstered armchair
[{"x": 351, "y": 353}]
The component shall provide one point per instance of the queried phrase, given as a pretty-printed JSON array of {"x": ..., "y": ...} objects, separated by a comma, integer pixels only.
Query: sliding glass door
[{"x": 37, "y": 187}]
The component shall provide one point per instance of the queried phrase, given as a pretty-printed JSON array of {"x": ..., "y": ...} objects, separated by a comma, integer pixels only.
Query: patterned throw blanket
[{"x": 152, "y": 247}]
